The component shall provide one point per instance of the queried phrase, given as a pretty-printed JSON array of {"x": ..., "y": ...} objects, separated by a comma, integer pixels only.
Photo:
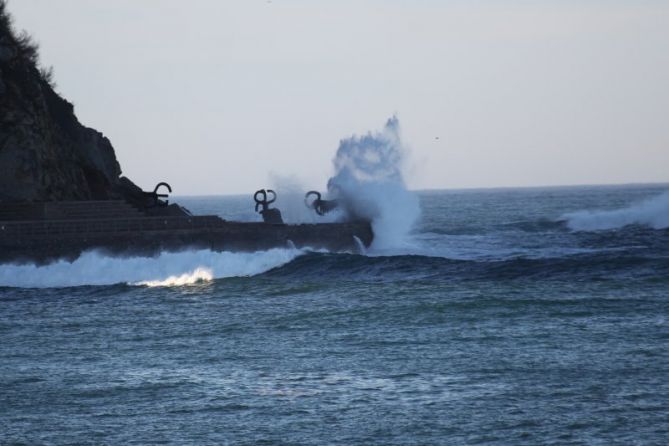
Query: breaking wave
[
  {"x": 197, "y": 276},
  {"x": 166, "y": 269},
  {"x": 653, "y": 212}
]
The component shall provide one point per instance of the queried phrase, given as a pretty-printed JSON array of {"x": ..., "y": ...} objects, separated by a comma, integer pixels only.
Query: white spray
[
  {"x": 290, "y": 200},
  {"x": 166, "y": 269},
  {"x": 653, "y": 212},
  {"x": 368, "y": 183}
]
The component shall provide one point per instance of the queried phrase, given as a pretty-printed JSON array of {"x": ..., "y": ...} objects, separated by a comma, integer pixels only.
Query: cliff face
[{"x": 45, "y": 153}]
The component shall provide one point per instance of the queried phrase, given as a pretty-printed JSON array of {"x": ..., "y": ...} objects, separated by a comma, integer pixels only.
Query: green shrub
[{"x": 27, "y": 49}]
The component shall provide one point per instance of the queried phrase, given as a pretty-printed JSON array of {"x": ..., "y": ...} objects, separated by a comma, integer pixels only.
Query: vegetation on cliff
[{"x": 45, "y": 153}]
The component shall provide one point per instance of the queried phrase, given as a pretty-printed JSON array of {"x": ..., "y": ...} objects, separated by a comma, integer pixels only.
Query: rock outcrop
[{"x": 45, "y": 153}]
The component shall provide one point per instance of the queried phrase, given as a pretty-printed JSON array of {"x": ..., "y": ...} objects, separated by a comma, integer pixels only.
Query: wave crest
[
  {"x": 197, "y": 276},
  {"x": 653, "y": 212},
  {"x": 166, "y": 269}
]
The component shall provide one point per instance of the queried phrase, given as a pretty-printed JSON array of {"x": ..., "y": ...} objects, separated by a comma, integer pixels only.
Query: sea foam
[
  {"x": 166, "y": 269},
  {"x": 653, "y": 212}
]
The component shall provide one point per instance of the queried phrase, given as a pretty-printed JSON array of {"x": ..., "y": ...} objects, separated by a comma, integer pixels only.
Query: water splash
[
  {"x": 198, "y": 276},
  {"x": 369, "y": 184},
  {"x": 362, "y": 250},
  {"x": 166, "y": 269},
  {"x": 653, "y": 212}
]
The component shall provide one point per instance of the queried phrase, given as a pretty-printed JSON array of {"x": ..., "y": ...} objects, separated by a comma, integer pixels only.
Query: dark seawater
[{"x": 495, "y": 323}]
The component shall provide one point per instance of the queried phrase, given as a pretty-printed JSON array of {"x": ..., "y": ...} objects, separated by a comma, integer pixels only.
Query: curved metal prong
[
  {"x": 314, "y": 203},
  {"x": 158, "y": 186},
  {"x": 270, "y": 191},
  {"x": 264, "y": 196}
]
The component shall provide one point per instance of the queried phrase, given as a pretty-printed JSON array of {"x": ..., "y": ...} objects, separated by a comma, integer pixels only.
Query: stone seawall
[{"x": 44, "y": 241}]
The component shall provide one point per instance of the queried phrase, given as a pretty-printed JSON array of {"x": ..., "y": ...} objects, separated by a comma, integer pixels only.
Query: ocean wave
[
  {"x": 197, "y": 276},
  {"x": 166, "y": 269},
  {"x": 335, "y": 268},
  {"x": 653, "y": 212},
  {"x": 635, "y": 252}
]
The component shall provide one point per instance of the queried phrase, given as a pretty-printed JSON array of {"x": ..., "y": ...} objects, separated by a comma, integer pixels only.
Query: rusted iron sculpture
[
  {"x": 272, "y": 216},
  {"x": 153, "y": 199},
  {"x": 319, "y": 205}
]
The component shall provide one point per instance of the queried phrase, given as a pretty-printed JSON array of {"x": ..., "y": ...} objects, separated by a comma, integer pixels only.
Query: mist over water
[
  {"x": 291, "y": 202},
  {"x": 652, "y": 212}
]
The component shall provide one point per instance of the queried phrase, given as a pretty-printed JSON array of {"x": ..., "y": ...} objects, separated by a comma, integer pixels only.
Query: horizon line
[{"x": 464, "y": 189}]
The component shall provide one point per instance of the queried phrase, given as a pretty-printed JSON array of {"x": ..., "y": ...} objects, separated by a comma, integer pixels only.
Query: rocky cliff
[{"x": 45, "y": 153}]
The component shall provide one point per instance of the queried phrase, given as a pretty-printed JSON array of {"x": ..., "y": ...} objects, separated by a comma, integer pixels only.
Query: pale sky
[{"x": 216, "y": 96}]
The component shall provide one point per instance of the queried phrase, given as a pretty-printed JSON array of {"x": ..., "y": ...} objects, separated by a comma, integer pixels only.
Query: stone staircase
[
  {"x": 21, "y": 211},
  {"x": 69, "y": 210}
]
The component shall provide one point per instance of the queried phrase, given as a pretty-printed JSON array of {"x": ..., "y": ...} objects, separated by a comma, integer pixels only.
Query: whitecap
[{"x": 165, "y": 269}]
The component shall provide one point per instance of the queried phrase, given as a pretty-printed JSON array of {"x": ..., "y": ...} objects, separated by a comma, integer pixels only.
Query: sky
[{"x": 222, "y": 97}]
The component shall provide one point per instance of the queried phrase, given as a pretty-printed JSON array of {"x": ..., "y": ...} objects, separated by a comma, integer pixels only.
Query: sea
[{"x": 535, "y": 316}]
